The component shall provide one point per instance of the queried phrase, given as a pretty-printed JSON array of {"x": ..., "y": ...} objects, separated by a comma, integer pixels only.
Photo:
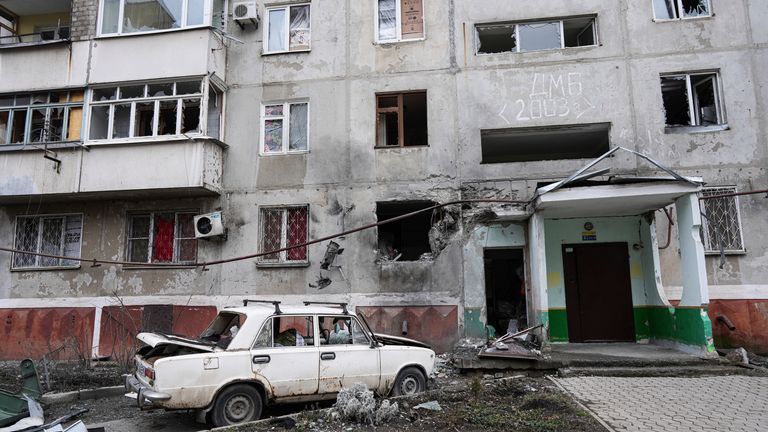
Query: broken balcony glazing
[{"x": 34, "y": 22}]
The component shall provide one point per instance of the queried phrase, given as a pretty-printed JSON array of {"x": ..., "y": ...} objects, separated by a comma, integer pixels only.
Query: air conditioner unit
[
  {"x": 209, "y": 225},
  {"x": 244, "y": 12}
]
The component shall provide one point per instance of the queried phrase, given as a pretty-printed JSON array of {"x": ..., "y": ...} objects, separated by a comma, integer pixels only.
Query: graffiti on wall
[{"x": 551, "y": 95}]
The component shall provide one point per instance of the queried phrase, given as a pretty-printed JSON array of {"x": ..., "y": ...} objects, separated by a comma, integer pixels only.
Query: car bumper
[{"x": 145, "y": 396}]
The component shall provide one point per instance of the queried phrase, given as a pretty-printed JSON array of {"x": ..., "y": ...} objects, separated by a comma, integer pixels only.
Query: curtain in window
[
  {"x": 297, "y": 233},
  {"x": 298, "y": 125},
  {"x": 162, "y": 242},
  {"x": 387, "y": 19}
]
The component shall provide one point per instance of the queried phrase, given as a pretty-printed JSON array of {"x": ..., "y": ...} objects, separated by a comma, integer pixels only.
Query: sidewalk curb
[
  {"x": 581, "y": 405},
  {"x": 96, "y": 393}
]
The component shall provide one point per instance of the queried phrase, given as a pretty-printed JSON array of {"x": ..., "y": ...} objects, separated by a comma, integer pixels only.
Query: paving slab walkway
[{"x": 715, "y": 403}]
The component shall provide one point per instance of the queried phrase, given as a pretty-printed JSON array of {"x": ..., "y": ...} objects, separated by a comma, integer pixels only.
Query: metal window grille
[
  {"x": 721, "y": 221},
  {"x": 283, "y": 227},
  {"x": 162, "y": 237},
  {"x": 54, "y": 235}
]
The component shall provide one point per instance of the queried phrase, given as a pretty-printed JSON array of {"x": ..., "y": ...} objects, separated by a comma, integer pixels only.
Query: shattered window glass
[
  {"x": 674, "y": 91},
  {"x": 691, "y": 100},
  {"x": 148, "y": 15},
  {"x": 51, "y": 235},
  {"x": 496, "y": 38},
  {"x": 695, "y": 8},
  {"x": 676, "y": 9},
  {"x": 721, "y": 221}
]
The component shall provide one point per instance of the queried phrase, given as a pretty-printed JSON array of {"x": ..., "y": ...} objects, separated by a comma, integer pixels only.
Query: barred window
[
  {"x": 51, "y": 234},
  {"x": 162, "y": 237},
  {"x": 284, "y": 227},
  {"x": 721, "y": 224}
]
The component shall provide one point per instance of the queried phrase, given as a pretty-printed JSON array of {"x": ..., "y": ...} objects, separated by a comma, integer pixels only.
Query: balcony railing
[{"x": 55, "y": 34}]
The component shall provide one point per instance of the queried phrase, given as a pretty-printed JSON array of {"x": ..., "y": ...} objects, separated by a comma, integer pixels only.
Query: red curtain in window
[
  {"x": 162, "y": 242},
  {"x": 297, "y": 233}
]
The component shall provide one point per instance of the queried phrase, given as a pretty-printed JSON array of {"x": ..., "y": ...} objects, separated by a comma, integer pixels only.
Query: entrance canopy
[{"x": 612, "y": 199}]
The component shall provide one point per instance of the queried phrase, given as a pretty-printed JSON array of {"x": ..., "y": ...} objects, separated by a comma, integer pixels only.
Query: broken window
[
  {"x": 157, "y": 109},
  {"x": 399, "y": 20},
  {"x": 721, "y": 221},
  {"x": 535, "y": 36},
  {"x": 680, "y": 9},
  {"x": 58, "y": 235},
  {"x": 341, "y": 330},
  {"x": 285, "y": 128},
  {"x": 162, "y": 237},
  {"x": 283, "y": 227},
  {"x": 288, "y": 29},
  {"x": 286, "y": 331},
  {"x": 406, "y": 239},
  {"x": 41, "y": 117},
  {"x": 691, "y": 99},
  {"x": 545, "y": 143},
  {"x": 401, "y": 119},
  {"x": 134, "y": 16}
]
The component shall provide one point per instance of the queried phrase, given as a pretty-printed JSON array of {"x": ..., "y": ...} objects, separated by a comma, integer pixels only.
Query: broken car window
[{"x": 223, "y": 328}]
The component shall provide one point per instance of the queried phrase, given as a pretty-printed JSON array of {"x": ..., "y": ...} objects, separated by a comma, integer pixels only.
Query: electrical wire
[{"x": 98, "y": 261}]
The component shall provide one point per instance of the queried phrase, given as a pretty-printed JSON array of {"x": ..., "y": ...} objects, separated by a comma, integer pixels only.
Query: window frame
[
  {"x": 207, "y": 19},
  {"x": 398, "y": 25},
  {"x": 48, "y": 106},
  {"x": 286, "y": 119},
  {"x": 680, "y": 8},
  {"x": 518, "y": 45},
  {"x": 203, "y": 96},
  {"x": 40, "y": 218},
  {"x": 693, "y": 115},
  {"x": 269, "y": 321},
  {"x": 150, "y": 239},
  {"x": 709, "y": 248},
  {"x": 282, "y": 260},
  {"x": 287, "y": 8},
  {"x": 400, "y": 110}
]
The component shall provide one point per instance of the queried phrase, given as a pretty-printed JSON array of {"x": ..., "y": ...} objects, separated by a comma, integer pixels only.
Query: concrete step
[{"x": 662, "y": 371}]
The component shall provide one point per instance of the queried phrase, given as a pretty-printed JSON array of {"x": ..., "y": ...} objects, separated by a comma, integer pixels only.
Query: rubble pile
[{"x": 358, "y": 404}]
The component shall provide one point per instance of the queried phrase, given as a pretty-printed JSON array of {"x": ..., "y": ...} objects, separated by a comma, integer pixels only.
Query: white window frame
[
  {"x": 398, "y": 24},
  {"x": 203, "y": 96},
  {"x": 207, "y": 19},
  {"x": 286, "y": 118},
  {"x": 150, "y": 242},
  {"x": 40, "y": 219},
  {"x": 518, "y": 44},
  {"x": 287, "y": 24},
  {"x": 282, "y": 259},
  {"x": 693, "y": 112},
  {"x": 711, "y": 248},
  {"x": 680, "y": 8},
  {"x": 48, "y": 107}
]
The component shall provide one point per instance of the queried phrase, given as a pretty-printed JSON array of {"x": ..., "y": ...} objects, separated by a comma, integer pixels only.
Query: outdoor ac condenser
[
  {"x": 209, "y": 225},
  {"x": 245, "y": 12}
]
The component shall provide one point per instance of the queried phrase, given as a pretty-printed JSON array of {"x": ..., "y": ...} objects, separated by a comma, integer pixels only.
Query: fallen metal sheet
[
  {"x": 513, "y": 351},
  {"x": 15, "y": 406}
]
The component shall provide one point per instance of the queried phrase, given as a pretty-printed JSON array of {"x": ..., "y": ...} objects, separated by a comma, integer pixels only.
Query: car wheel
[
  {"x": 409, "y": 382},
  {"x": 237, "y": 404}
]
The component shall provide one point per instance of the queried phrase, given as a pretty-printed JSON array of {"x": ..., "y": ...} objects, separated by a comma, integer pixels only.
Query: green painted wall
[
  {"x": 558, "y": 325},
  {"x": 473, "y": 326}
]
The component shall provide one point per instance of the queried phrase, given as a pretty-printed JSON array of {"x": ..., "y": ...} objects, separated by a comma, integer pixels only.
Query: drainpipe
[{"x": 669, "y": 228}]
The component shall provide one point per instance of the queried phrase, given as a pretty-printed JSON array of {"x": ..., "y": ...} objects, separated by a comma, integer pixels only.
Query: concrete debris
[
  {"x": 431, "y": 405},
  {"x": 739, "y": 356},
  {"x": 441, "y": 231},
  {"x": 358, "y": 404}
]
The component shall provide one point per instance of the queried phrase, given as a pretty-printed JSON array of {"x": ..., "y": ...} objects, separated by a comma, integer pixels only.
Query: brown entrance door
[{"x": 598, "y": 293}]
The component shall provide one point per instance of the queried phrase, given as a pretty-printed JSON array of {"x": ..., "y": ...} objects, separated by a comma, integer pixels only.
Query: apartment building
[{"x": 121, "y": 121}]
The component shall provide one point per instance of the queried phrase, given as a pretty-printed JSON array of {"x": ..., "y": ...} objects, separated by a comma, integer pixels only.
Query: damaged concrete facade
[{"x": 341, "y": 176}]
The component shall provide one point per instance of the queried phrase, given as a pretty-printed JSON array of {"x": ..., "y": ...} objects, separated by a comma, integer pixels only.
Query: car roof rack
[
  {"x": 342, "y": 305},
  {"x": 274, "y": 302}
]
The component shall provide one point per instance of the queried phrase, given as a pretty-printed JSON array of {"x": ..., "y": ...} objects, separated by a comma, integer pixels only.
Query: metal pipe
[
  {"x": 765, "y": 191},
  {"x": 669, "y": 228}
]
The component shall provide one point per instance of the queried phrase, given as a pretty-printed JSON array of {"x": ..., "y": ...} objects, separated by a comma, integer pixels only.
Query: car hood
[
  {"x": 398, "y": 340},
  {"x": 155, "y": 339}
]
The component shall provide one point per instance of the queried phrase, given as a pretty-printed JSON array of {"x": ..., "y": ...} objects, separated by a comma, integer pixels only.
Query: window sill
[
  {"x": 547, "y": 50},
  {"x": 160, "y": 267},
  {"x": 664, "y": 20},
  {"x": 271, "y": 53},
  {"x": 400, "y": 147},
  {"x": 282, "y": 264},
  {"x": 728, "y": 252},
  {"x": 43, "y": 269},
  {"x": 154, "y": 140},
  {"x": 152, "y": 32},
  {"x": 284, "y": 154},
  {"x": 695, "y": 129},
  {"x": 389, "y": 43}
]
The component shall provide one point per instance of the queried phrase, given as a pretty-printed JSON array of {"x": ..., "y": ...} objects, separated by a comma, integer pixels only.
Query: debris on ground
[
  {"x": 519, "y": 345},
  {"x": 22, "y": 405},
  {"x": 738, "y": 356},
  {"x": 358, "y": 404},
  {"x": 431, "y": 405}
]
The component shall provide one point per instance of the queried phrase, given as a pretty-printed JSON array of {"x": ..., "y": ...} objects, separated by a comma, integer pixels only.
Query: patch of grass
[{"x": 553, "y": 402}]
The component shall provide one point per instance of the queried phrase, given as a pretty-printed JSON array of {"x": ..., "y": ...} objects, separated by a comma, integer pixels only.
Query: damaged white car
[{"x": 259, "y": 355}]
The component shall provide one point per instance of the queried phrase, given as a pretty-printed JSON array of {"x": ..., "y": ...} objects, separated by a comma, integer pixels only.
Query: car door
[
  {"x": 286, "y": 355},
  {"x": 345, "y": 361}
]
